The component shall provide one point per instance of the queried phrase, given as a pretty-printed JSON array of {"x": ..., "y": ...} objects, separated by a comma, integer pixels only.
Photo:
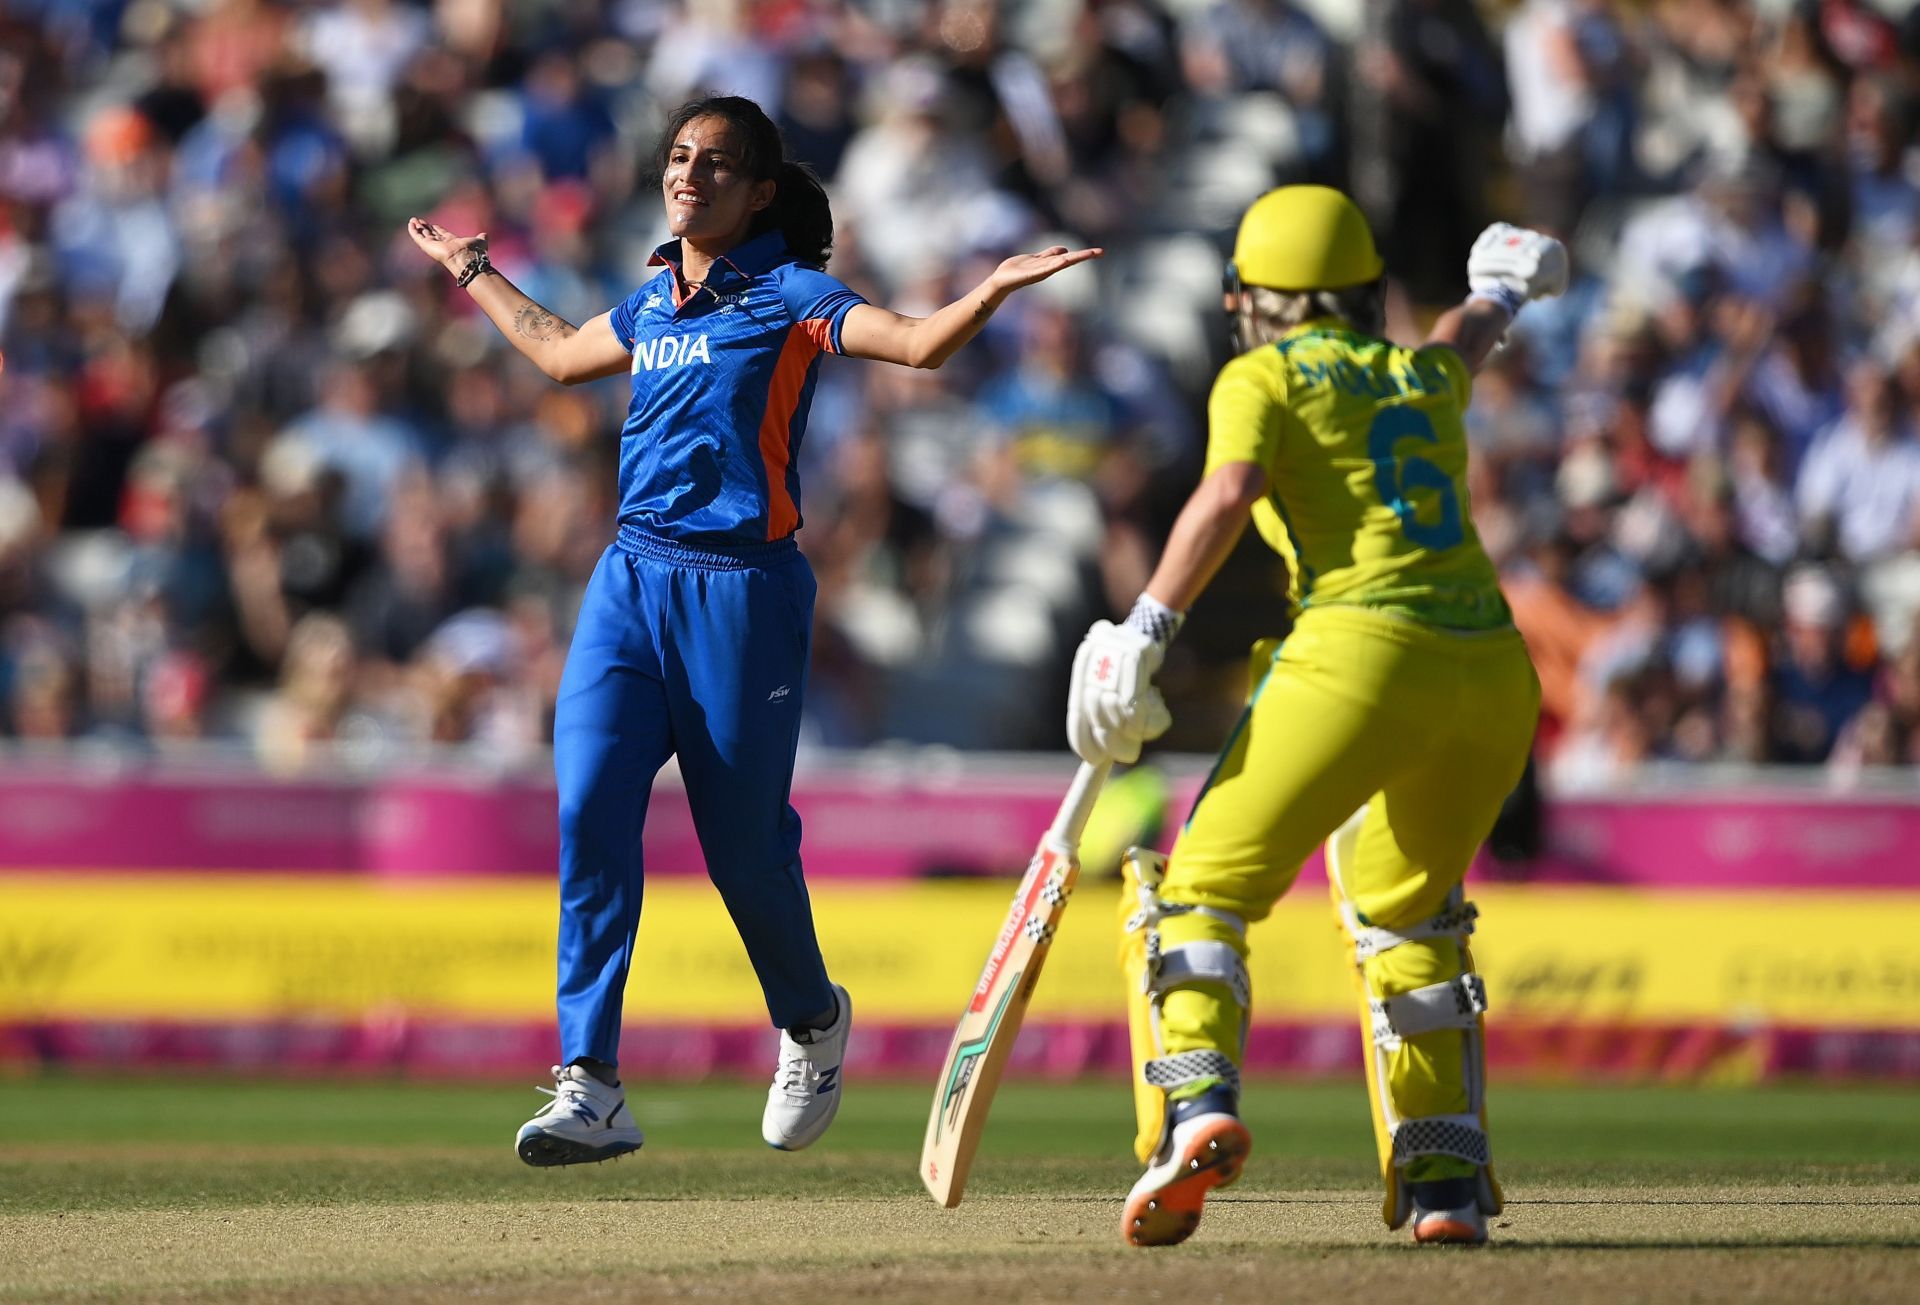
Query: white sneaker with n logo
[
  {"x": 805, "y": 1094},
  {"x": 586, "y": 1121}
]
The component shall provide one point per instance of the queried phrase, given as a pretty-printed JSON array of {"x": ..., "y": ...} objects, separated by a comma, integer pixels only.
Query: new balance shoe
[
  {"x": 805, "y": 1094},
  {"x": 1205, "y": 1148},
  {"x": 586, "y": 1121},
  {"x": 1447, "y": 1212}
]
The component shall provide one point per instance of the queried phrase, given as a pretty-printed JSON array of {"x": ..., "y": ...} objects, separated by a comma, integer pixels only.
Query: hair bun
[{"x": 801, "y": 212}]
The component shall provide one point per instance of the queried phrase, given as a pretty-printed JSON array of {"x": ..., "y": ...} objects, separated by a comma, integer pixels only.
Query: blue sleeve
[
  {"x": 623, "y": 314},
  {"x": 813, "y": 296}
]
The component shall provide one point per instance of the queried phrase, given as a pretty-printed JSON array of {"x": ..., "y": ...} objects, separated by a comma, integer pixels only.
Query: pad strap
[
  {"x": 1184, "y": 1067},
  {"x": 1152, "y": 912},
  {"x": 1457, "y": 1003},
  {"x": 1459, "y": 1136},
  {"x": 1369, "y": 940},
  {"x": 1205, "y": 961},
  {"x": 1150, "y": 871}
]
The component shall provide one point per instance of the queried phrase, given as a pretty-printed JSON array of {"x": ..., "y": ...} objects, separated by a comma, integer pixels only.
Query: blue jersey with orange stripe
[{"x": 722, "y": 379}]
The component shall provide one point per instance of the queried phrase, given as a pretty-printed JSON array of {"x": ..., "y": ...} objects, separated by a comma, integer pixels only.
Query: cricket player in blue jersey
[{"x": 692, "y": 639}]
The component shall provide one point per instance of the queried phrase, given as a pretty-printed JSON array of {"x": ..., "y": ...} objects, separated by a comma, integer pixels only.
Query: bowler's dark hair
[{"x": 799, "y": 210}]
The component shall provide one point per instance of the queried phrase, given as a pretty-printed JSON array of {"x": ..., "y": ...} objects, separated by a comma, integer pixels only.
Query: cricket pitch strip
[{"x": 1554, "y": 1244}]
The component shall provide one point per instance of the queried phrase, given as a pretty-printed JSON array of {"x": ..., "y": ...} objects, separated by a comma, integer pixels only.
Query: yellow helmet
[{"x": 1305, "y": 238}]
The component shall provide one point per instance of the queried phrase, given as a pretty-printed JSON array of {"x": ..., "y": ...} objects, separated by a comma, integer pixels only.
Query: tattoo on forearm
[{"x": 536, "y": 323}]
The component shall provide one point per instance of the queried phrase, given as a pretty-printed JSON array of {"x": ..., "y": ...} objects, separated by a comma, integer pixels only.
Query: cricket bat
[{"x": 993, "y": 1017}]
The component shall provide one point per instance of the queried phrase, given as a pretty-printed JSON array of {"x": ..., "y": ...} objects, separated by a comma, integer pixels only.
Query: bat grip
[{"x": 1071, "y": 821}]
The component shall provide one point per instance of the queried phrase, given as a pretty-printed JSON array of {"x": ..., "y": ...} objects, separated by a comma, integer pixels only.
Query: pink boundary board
[{"x": 860, "y": 828}]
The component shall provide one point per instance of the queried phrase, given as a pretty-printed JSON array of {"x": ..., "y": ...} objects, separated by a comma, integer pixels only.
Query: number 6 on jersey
[{"x": 993, "y": 1017}]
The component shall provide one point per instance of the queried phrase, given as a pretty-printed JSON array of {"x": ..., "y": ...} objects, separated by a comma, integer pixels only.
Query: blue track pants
[{"x": 678, "y": 651}]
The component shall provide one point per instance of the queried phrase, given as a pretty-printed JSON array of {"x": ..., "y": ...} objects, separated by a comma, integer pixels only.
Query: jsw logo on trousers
[{"x": 669, "y": 351}]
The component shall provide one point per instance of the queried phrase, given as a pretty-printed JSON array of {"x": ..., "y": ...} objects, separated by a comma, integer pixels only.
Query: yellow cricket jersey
[{"x": 1366, "y": 461}]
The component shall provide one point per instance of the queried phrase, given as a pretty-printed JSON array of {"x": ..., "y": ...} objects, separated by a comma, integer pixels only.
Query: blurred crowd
[{"x": 267, "y": 478}]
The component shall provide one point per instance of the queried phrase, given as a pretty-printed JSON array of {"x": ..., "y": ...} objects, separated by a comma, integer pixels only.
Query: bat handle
[{"x": 1071, "y": 821}]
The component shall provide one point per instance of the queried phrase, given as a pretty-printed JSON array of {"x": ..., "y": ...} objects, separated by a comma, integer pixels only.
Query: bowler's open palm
[
  {"x": 1029, "y": 269},
  {"x": 440, "y": 244}
]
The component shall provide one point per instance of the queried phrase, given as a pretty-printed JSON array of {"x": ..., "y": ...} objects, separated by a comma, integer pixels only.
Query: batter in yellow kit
[{"x": 1391, "y": 722}]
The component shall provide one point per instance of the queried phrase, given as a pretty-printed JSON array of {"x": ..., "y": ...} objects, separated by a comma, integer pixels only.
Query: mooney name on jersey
[{"x": 1366, "y": 460}]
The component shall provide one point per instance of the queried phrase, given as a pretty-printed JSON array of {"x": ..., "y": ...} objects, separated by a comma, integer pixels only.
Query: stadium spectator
[
  {"x": 348, "y": 434},
  {"x": 1436, "y": 77},
  {"x": 915, "y": 193},
  {"x": 563, "y": 124},
  {"x": 316, "y": 693},
  {"x": 1237, "y": 47},
  {"x": 1815, "y": 690},
  {"x": 1056, "y": 416},
  {"x": 1859, "y": 489}
]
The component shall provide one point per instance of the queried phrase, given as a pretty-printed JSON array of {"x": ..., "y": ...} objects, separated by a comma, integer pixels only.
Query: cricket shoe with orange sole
[
  {"x": 1205, "y": 1148},
  {"x": 1446, "y": 1212}
]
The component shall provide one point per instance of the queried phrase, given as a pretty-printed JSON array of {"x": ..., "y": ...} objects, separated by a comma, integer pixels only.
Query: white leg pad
[
  {"x": 1155, "y": 970},
  {"x": 1184, "y": 965},
  {"x": 1456, "y": 1003},
  {"x": 1197, "y": 962}
]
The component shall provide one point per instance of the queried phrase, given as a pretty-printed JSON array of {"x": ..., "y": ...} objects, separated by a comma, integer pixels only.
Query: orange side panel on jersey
[
  {"x": 776, "y": 427},
  {"x": 820, "y": 331}
]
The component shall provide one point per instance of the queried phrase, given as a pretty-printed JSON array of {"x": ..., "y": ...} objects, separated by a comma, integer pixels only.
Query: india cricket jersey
[
  {"x": 1366, "y": 459},
  {"x": 722, "y": 381}
]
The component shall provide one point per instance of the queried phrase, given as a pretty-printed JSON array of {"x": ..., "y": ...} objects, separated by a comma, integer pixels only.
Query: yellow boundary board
[{"x": 273, "y": 946}]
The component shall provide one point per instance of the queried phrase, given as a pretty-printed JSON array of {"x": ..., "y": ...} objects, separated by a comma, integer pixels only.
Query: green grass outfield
[{"x": 216, "y": 1188}]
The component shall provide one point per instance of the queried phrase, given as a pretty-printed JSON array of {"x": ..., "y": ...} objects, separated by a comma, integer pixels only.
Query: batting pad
[
  {"x": 1188, "y": 994},
  {"x": 1422, "y": 1009}
]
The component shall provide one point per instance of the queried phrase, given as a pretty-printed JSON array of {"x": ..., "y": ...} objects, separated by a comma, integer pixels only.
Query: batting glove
[
  {"x": 1511, "y": 265},
  {"x": 1112, "y": 704}
]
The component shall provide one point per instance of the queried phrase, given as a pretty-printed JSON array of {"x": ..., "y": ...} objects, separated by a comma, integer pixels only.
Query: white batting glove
[
  {"x": 1511, "y": 265},
  {"x": 1112, "y": 704}
]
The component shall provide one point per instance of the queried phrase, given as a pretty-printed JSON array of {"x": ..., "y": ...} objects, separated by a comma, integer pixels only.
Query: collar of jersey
[{"x": 743, "y": 262}]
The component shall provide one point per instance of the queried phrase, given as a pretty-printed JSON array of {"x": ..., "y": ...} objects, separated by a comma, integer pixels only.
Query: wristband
[
  {"x": 478, "y": 265},
  {"x": 1495, "y": 293},
  {"x": 1155, "y": 619}
]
